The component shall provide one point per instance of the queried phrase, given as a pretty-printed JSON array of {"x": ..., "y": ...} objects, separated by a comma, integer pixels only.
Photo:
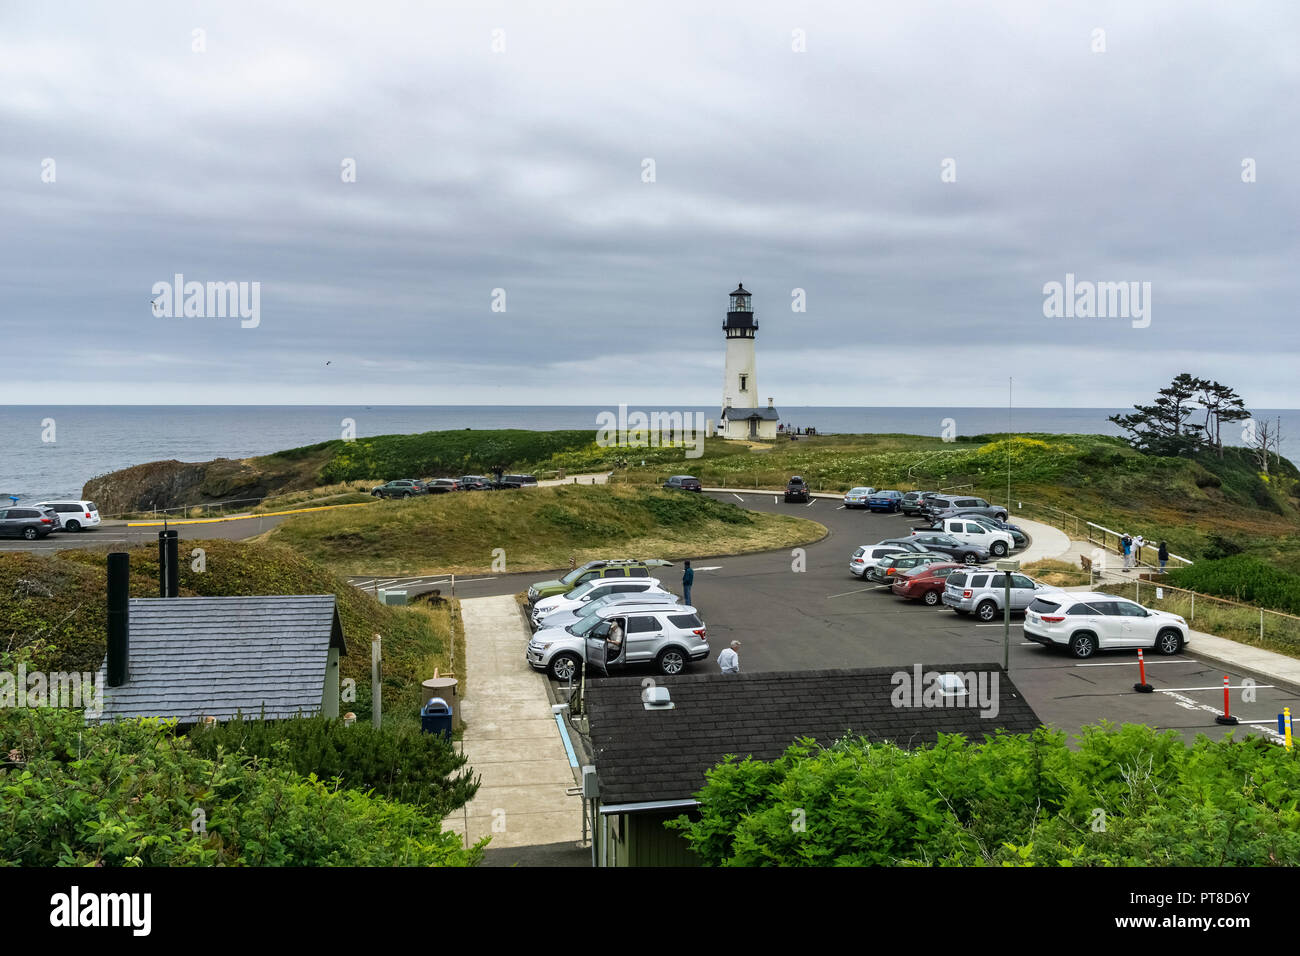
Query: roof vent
[
  {"x": 657, "y": 698},
  {"x": 952, "y": 685}
]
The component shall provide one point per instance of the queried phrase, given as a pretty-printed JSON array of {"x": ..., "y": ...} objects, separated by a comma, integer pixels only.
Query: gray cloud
[{"x": 522, "y": 171}]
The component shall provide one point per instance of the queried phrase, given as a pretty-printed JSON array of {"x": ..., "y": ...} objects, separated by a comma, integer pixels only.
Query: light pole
[{"x": 1007, "y": 567}]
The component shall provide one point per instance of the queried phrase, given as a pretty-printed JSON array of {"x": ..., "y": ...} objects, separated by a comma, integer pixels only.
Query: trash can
[
  {"x": 447, "y": 688},
  {"x": 435, "y": 717}
]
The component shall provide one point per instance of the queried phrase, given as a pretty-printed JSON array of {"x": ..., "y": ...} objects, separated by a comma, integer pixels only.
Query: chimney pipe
[
  {"x": 119, "y": 593},
  {"x": 168, "y": 564}
]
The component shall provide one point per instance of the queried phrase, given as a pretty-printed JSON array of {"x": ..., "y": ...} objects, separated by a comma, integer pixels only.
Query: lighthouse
[{"x": 742, "y": 417}]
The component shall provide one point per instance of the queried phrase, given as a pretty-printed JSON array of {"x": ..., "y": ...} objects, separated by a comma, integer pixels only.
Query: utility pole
[{"x": 1008, "y": 445}]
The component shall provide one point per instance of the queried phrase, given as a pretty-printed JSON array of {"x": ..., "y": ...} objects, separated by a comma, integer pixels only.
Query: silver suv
[
  {"x": 667, "y": 636},
  {"x": 948, "y": 505},
  {"x": 981, "y": 590}
]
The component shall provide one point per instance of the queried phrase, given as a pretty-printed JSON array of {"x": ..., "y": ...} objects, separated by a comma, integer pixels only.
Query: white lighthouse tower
[{"x": 742, "y": 417}]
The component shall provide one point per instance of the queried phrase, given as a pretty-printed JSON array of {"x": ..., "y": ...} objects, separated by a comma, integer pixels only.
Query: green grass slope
[{"x": 537, "y": 528}]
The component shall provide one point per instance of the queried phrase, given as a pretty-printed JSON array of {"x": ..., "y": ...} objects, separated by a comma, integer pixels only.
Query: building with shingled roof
[{"x": 651, "y": 760}]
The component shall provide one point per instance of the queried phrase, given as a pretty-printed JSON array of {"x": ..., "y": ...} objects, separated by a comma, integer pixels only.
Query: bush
[
  {"x": 396, "y": 762},
  {"x": 445, "y": 453},
  {"x": 1242, "y": 578},
  {"x": 1013, "y": 799},
  {"x": 135, "y": 794}
]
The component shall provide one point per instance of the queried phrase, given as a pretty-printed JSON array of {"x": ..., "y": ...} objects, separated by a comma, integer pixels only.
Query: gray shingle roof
[
  {"x": 644, "y": 756},
  {"x": 744, "y": 414},
  {"x": 214, "y": 656}
]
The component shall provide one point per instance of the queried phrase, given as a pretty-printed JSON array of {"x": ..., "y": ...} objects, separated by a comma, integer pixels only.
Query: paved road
[{"x": 115, "y": 534}]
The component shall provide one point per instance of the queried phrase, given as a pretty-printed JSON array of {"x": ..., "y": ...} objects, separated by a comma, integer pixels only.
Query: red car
[{"x": 925, "y": 583}]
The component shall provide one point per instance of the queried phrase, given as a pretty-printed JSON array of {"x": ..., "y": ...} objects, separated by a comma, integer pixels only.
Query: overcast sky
[{"x": 522, "y": 169}]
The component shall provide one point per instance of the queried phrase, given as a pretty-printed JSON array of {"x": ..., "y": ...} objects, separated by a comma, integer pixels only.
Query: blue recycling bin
[{"x": 435, "y": 717}]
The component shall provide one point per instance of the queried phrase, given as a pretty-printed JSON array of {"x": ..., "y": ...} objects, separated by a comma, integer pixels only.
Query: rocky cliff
[{"x": 173, "y": 484}]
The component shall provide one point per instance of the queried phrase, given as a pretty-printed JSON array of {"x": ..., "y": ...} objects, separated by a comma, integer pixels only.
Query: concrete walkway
[
  {"x": 1044, "y": 541},
  {"x": 598, "y": 479},
  {"x": 511, "y": 738}
]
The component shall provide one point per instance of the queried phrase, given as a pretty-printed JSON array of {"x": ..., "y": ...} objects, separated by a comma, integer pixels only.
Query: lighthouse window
[{"x": 744, "y": 380}]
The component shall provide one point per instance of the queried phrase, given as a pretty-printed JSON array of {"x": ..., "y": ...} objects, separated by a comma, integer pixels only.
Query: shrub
[
  {"x": 396, "y": 762},
  {"x": 1012, "y": 799},
  {"x": 135, "y": 794},
  {"x": 1242, "y": 578}
]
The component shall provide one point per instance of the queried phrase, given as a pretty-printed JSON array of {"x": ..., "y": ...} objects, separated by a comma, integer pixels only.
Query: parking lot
[{"x": 822, "y": 617}]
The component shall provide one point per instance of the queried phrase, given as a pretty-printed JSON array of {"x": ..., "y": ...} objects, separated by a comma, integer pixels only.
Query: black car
[
  {"x": 947, "y": 544},
  {"x": 684, "y": 483},
  {"x": 914, "y": 501},
  {"x": 29, "y": 523},
  {"x": 474, "y": 483},
  {"x": 516, "y": 481},
  {"x": 440, "y": 486},
  {"x": 797, "y": 490}
]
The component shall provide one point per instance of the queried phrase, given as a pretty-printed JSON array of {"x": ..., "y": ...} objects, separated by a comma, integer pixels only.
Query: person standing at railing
[
  {"x": 1126, "y": 545},
  {"x": 1163, "y": 555},
  {"x": 1137, "y": 550}
]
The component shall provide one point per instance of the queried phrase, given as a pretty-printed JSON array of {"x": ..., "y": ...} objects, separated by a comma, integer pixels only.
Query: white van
[{"x": 74, "y": 515}]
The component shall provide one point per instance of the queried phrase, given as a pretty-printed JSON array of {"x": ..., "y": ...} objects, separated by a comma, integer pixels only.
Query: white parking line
[
  {"x": 736, "y": 496},
  {"x": 813, "y": 502},
  {"x": 1181, "y": 660},
  {"x": 999, "y": 625},
  {"x": 1170, "y": 690},
  {"x": 774, "y": 499},
  {"x": 876, "y": 587},
  {"x": 840, "y": 508}
]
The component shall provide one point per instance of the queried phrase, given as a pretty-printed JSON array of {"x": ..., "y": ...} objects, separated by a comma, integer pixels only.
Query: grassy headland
[
  {"x": 538, "y": 529},
  {"x": 1203, "y": 507}
]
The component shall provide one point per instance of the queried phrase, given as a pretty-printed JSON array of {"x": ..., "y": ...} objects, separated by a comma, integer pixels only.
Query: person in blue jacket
[{"x": 688, "y": 578}]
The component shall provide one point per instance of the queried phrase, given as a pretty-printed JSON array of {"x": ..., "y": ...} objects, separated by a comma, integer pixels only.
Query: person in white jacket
[{"x": 729, "y": 660}]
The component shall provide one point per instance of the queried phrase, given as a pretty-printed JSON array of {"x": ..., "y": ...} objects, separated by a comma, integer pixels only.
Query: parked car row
[
  {"x": 410, "y": 487},
  {"x": 45, "y": 517},
  {"x": 575, "y": 619},
  {"x": 1083, "y": 623}
]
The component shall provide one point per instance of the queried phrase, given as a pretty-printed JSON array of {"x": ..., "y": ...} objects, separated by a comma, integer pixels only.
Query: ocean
[{"x": 51, "y": 451}]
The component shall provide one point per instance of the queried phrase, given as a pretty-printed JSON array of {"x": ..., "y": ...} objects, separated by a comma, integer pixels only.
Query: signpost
[{"x": 1007, "y": 567}]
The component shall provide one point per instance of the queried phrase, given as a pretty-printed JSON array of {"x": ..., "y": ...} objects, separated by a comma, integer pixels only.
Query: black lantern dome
[{"x": 740, "y": 315}]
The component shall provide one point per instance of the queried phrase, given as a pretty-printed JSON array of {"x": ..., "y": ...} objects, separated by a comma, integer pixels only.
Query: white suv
[
  {"x": 589, "y": 591},
  {"x": 74, "y": 515},
  {"x": 996, "y": 543},
  {"x": 1086, "y": 623},
  {"x": 668, "y": 636},
  {"x": 865, "y": 557}
]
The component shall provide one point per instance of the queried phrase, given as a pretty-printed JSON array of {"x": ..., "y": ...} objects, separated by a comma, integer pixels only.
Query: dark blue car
[{"x": 891, "y": 501}]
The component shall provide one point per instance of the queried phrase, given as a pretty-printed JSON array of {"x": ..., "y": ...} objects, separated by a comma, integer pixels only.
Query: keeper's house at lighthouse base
[{"x": 749, "y": 422}]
